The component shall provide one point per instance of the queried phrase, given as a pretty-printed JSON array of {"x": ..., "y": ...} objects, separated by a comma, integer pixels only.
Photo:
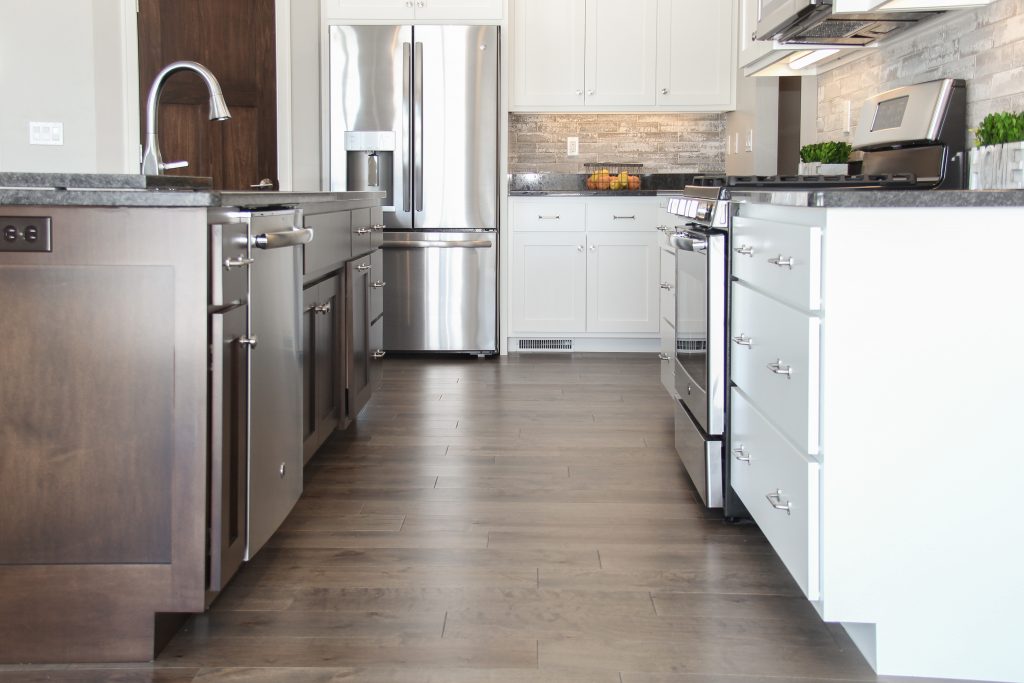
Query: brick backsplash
[
  {"x": 663, "y": 143},
  {"x": 985, "y": 46}
]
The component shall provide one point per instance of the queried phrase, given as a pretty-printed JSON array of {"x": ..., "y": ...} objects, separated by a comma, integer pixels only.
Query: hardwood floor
[{"x": 523, "y": 519}]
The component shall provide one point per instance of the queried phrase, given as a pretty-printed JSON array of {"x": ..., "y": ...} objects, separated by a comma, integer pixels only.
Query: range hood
[{"x": 817, "y": 24}]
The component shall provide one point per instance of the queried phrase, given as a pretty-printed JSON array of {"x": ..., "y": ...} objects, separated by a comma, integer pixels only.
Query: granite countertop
[
  {"x": 115, "y": 190},
  {"x": 575, "y": 185},
  {"x": 882, "y": 199}
]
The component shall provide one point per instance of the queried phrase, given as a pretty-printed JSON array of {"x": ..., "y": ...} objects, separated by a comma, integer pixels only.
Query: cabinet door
[
  {"x": 370, "y": 9},
  {"x": 328, "y": 355},
  {"x": 697, "y": 54},
  {"x": 667, "y": 311},
  {"x": 750, "y": 49},
  {"x": 547, "y": 53},
  {"x": 548, "y": 283},
  {"x": 357, "y": 332},
  {"x": 309, "y": 373},
  {"x": 621, "y": 52},
  {"x": 458, "y": 10},
  {"x": 622, "y": 282}
]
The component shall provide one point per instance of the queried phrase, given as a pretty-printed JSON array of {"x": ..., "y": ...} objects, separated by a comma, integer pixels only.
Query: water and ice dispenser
[{"x": 371, "y": 162}]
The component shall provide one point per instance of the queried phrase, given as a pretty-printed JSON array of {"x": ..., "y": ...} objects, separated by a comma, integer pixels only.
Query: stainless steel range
[{"x": 911, "y": 138}]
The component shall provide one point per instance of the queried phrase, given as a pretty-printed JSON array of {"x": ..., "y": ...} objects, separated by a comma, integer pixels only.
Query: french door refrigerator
[{"x": 414, "y": 113}]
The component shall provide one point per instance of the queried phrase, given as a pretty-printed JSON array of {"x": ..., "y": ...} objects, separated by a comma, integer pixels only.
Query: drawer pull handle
[
  {"x": 549, "y": 218},
  {"x": 322, "y": 309},
  {"x": 743, "y": 340},
  {"x": 378, "y": 354},
  {"x": 363, "y": 231},
  {"x": 623, "y": 218},
  {"x": 665, "y": 285},
  {"x": 780, "y": 368},
  {"x": 238, "y": 262},
  {"x": 775, "y": 500},
  {"x": 741, "y": 455},
  {"x": 782, "y": 262},
  {"x": 363, "y": 266},
  {"x": 378, "y": 228},
  {"x": 664, "y": 356},
  {"x": 744, "y": 250},
  {"x": 378, "y": 284}
]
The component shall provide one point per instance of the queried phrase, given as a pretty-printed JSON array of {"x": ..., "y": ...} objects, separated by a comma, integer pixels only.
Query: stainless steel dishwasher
[
  {"x": 275, "y": 366},
  {"x": 447, "y": 291}
]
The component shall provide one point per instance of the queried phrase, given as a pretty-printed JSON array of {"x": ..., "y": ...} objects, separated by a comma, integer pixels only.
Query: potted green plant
[
  {"x": 825, "y": 158},
  {"x": 997, "y": 161}
]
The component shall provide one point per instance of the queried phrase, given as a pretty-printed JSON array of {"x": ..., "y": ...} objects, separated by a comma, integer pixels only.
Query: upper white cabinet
[
  {"x": 696, "y": 48},
  {"x": 415, "y": 10},
  {"x": 750, "y": 49},
  {"x": 608, "y": 55}
]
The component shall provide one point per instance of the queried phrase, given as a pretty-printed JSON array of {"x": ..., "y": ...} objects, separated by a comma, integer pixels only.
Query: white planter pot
[
  {"x": 818, "y": 168},
  {"x": 997, "y": 167}
]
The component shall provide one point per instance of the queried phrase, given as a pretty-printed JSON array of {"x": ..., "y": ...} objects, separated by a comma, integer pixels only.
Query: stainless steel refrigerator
[{"x": 414, "y": 113}]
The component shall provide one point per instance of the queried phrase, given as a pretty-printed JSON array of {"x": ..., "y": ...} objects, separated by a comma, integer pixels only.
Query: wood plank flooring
[{"x": 522, "y": 519}]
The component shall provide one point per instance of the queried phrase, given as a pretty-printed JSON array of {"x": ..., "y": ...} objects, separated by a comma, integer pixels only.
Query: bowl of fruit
[{"x": 613, "y": 177}]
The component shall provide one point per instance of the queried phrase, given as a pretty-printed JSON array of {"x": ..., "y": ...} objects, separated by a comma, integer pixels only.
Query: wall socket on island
[{"x": 572, "y": 147}]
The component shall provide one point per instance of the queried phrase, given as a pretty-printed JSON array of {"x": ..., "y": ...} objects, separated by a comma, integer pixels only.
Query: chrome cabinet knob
[
  {"x": 775, "y": 500},
  {"x": 379, "y": 353},
  {"x": 363, "y": 231},
  {"x": 579, "y": 93},
  {"x": 665, "y": 285},
  {"x": 239, "y": 262},
  {"x": 741, "y": 455},
  {"x": 780, "y": 368},
  {"x": 579, "y": 247},
  {"x": 664, "y": 356},
  {"x": 378, "y": 228},
  {"x": 378, "y": 284},
  {"x": 322, "y": 309},
  {"x": 251, "y": 342},
  {"x": 743, "y": 340},
  {"x": 664, "y": 91},
  {"x": 363, "y": 267},
  {"x": 744, "y": 250},
  {"x": 782, "y": 262},
  {"x": 590, "y": 92}
]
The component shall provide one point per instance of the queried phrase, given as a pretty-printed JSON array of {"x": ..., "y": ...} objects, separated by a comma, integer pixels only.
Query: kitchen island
[{"x": 108, "y": 445}]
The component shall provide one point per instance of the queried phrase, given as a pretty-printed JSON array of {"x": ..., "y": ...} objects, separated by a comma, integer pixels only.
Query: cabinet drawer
[
  {"x": 548, "y": 213},
  {"x": 783, "y": 259},
  {"x": 331, "y": 245},
  {"x": 775, "y": 361},
  {"x": 623, "y": 213},
  {"x": 377, "y": 225},
  {"x": 362, "y": 232},
  {"x": 779, "y": 486}
]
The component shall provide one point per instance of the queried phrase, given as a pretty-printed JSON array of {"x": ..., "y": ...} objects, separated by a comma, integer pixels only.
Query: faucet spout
[{"x": 152, "y": 161}]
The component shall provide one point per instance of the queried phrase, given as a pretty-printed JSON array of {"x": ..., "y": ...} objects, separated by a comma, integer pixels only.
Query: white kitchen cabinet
[
  {"x": 415, "y": 10},
  {"x": 667, "y": 307},
  {"x": 750, "y": 50},
  {"x": 607, "y": 55},
  {"x": 697, "y": 54},
  {"x": 878, "y": 470},
  {"x": 571, "y": 274},
  {"x": 549, "y": 276}
]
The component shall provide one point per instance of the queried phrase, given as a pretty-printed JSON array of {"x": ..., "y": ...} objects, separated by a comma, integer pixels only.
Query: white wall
[
  {"x": 305, "y": 95},
  {"x": 73, "y": 62},
  {"x": 757, "y": 111}
]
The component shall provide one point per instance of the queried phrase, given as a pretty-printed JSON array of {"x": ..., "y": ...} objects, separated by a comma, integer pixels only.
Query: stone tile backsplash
[
  {"x": 663, "y": 143},
  {"x": 985, "y": 46}
]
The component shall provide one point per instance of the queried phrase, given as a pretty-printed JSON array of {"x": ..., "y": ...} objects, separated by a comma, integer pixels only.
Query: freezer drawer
[{"x": 441, "y": 292}]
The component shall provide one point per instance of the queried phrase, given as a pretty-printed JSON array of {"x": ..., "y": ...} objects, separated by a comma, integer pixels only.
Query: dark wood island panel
[{"x": 103, "y": 354}]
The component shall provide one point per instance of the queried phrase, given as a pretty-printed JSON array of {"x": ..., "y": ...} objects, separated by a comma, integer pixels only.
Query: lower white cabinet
[
  {"x": 667, "y": 308},
  {"x": 586, "y": 267}
]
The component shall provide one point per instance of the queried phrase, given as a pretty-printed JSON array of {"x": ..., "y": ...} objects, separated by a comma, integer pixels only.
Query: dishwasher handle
[
  {"x": 439, "y": 244},
  {"x": 285, "y": 238}
]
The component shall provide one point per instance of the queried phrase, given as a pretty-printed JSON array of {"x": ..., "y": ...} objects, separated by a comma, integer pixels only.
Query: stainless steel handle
[
  {"x": 688, "y": 241},
  {"x": 285, "y": 238},
  {"x": 263, "y": 184},
  {"x": 230, "y": 263},
  {"x": 378, "y": 228},
  {"x": 665, "y": 285},
  {"x": 743, "y": 340},
  {"x": 379, "y": 353},
  {"x": 741, "y": 455},
  {"x": 430, "y": 244},
  {"x": 780, "y": 368},
  {"x": 579, "y": 93},
  {"x": 378, "y": 284},
  {"x": 251, "y": 342},
  {"x": 322, "y": 309},
  {"x": 744, "y": 250},
  {"x": 406, "y": 118},
  {"x": 579, "y": 247},
  {"x": 664, "y": 356},
  {"x": 363, "y": 231},
  {"x": 664, "y": 91},
  {"x": 417, "y": 124},
  {"x": 623, "y": 218},
  {"x": 165, "y": 165},
  {"x": 590, "y": 92},
  {"x": 782, "y": 262},
  {"x": 775, "y": 500},
  {"x": 372, "y": 170},
  {"x": 363, "y": 266},
  {"x": 548, "y": 218}
]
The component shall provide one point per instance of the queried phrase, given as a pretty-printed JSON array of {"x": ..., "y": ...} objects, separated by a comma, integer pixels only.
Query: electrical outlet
[
  {"x": 572, "y": 146},
  {"x": 45, "y": 133}
]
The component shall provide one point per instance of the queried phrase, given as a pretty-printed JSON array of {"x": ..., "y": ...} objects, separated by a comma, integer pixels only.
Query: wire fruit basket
[{"x": 604, "y": 175}]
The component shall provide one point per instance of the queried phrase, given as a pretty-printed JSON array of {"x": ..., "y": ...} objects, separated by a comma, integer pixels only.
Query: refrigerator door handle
[
  {"x": 406, "y": 118},
  {"x": 417, "y": 125},
  {"x": 439, "y": 244}
]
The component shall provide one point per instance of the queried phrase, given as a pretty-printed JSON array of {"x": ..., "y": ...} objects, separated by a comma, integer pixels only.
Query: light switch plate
[
  {"x": 45, "y": 133},
  {"x": 572, "y": 147}
]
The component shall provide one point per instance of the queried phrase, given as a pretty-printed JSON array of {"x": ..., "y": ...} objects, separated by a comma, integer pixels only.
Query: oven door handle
[{"x": 690, "y": 241}]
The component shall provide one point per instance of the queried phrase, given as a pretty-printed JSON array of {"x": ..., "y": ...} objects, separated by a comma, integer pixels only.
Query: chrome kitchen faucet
[{"x": 152, "y": 162}]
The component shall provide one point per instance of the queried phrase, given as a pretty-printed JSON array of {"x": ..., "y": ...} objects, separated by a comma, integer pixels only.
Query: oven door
[{"x": 700, "y": 326}]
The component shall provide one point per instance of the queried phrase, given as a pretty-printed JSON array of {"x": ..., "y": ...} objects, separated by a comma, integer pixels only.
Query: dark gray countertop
[
  {"x": 575, "y": 185},
  {"x": 883, "y": 199},
  {"x": 113, "y": 190}
]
